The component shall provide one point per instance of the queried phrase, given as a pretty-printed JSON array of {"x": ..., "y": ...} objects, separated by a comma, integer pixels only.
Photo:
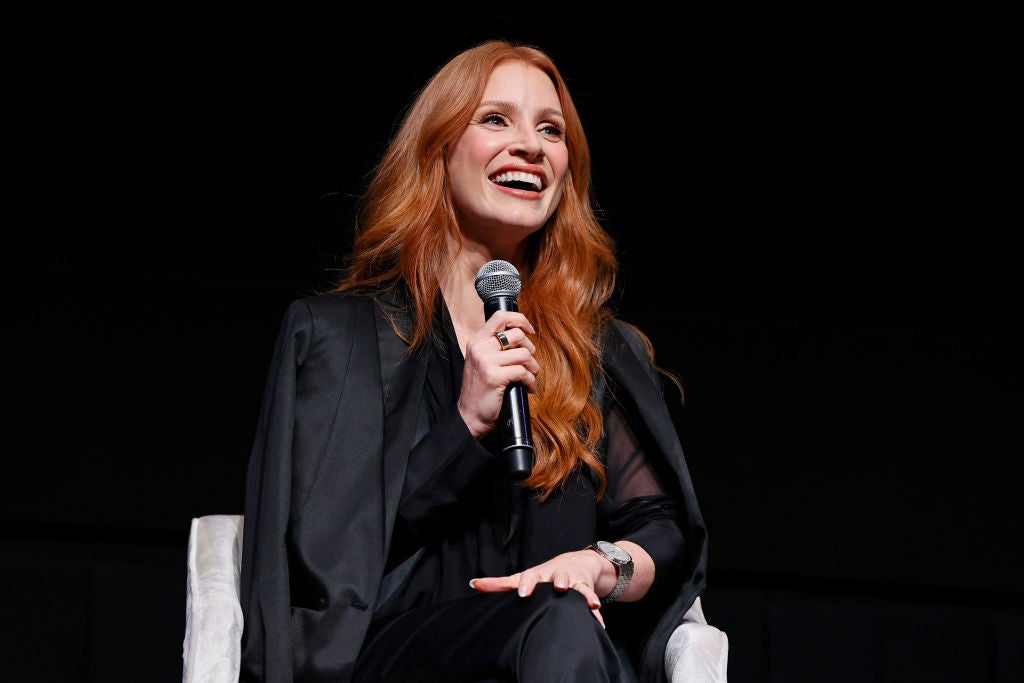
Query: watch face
[{"x": 617, "y": 554}]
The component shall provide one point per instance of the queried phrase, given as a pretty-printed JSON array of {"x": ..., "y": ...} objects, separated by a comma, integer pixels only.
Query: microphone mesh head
[{"x": 498, "y": 278}]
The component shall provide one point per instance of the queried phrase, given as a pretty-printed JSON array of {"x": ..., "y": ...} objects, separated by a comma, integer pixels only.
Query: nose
[{"x": 527, "y": 144}]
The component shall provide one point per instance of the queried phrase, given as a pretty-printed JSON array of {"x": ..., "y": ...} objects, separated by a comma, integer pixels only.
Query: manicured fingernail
[
  {"x": 472, "y": 584},
  {"x": 522, "y": 591}
]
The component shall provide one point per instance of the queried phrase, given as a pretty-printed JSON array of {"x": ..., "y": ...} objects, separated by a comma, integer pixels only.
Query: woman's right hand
[{"x": 489, "y": 369}]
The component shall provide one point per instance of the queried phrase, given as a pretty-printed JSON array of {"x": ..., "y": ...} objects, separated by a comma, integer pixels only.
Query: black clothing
[
  {"x": 459, "y": 520},
  {"x": 484, "y": 638},
  {"x": 358, "y": 459}
]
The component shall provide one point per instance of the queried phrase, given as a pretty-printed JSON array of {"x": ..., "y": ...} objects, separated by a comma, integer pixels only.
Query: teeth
[{"x": 521, "y": 177}]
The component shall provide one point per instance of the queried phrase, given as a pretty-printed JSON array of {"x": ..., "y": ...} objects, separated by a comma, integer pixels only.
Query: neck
[
  {"x": 459, "y": 286},
  {"x": 463, "y": 302}
]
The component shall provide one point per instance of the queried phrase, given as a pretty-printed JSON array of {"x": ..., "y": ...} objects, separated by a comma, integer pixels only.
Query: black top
[{"x": 461, "y": 516}]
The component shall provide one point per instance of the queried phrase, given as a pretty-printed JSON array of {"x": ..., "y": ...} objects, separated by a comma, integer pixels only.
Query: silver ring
[{"x": 503, "y": 340}]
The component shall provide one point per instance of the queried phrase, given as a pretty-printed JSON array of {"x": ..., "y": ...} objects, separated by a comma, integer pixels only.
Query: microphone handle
[{"x": 514, "y": 420}]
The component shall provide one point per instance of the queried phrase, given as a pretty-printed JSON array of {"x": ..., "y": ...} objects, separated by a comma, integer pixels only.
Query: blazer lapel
[{"x": 402, "y": 379}]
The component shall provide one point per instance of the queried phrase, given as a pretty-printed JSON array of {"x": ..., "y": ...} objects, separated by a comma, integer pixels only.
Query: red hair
[{"x": 406, "y": 223}]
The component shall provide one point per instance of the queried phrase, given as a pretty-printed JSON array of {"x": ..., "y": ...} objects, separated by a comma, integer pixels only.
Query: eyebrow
[{"x": 505, "y": 104}]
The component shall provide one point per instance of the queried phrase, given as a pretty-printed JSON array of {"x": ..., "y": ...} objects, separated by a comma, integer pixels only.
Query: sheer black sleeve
[{"x": 636, "y": 506}]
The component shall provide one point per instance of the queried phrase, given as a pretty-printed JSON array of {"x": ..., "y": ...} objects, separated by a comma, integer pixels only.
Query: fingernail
[
  {"x": 472, "y": 584},
  {"x": 522, "y": 591}
]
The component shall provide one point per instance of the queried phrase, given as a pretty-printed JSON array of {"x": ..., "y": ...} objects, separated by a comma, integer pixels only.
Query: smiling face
[{"x": 508, "y": 167}]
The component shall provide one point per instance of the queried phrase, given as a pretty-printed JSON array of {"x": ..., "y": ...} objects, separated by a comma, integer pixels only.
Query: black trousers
[{"x": 548, "y": 637}]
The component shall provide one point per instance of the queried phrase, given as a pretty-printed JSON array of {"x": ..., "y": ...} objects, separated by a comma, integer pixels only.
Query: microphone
[{"x": 498, "y": 284}]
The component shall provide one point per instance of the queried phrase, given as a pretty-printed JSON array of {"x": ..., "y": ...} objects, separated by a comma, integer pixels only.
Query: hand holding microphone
[{"x": 498, "y": 284}]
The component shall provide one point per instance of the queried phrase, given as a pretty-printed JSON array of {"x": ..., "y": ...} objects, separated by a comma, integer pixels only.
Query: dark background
[{"x": 816, "y": 207}]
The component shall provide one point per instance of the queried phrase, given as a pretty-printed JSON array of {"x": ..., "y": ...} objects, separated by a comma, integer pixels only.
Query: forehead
[{"x": 523, "y": 84}]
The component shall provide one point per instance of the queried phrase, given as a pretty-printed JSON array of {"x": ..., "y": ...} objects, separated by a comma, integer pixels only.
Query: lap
[{"x": 487, "y": 636}]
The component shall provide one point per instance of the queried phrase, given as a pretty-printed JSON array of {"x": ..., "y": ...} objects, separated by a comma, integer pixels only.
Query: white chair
[
  {"x": 696, "y": 653},
  {"x": 212, "y": 649}
]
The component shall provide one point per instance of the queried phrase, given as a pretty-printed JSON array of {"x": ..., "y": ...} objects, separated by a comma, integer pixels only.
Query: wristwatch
[{"x": 623, "y": 566}]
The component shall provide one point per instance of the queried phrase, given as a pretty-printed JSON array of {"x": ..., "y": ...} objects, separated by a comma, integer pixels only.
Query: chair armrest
[
  {"x": 211, "y": 651},
  {"x": 697, "y": 651}
]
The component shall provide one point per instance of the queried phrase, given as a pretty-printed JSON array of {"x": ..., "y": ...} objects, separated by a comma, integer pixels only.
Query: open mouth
[{"x": 518, "y": 180}]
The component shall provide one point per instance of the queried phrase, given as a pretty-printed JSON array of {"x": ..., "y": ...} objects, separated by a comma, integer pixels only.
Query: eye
[
  {"x": 552, "y": 132},
  {"x": 493, "y": 120}
]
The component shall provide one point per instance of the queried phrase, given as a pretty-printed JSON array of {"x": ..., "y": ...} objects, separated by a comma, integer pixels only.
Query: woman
[{"x": 384, "y": 537}]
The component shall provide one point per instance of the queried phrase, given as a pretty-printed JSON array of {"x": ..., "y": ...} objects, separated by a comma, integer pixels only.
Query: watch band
[{"x": 623, "y": 567}]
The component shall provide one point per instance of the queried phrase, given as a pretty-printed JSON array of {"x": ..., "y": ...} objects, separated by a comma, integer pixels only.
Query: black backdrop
[{"x": 815, "y": 207}]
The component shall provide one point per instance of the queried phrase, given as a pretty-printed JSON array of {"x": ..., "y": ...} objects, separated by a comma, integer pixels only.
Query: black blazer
[{"x": 326, "y": 473}]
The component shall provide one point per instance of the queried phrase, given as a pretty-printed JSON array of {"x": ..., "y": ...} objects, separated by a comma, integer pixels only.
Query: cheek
[
  {"x": 474, "y": 150},
  {"x": 463, "y": 173},
  {"x": 462, "y": 194},
  {"x": 559, "y": 161}
]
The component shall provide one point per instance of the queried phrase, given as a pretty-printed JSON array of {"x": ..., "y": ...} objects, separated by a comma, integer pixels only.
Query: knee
[
  {"x": 562, "y": 621},
  {"x": 551, "y": 604},
  {"x": 563, "y": 641}
]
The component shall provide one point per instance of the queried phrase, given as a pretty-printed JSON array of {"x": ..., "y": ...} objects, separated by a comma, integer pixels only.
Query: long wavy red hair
[{"x": 406, "y": 224}]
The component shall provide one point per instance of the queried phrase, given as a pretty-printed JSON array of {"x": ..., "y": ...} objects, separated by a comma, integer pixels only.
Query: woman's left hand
[{"x": 580, "y": 570}]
